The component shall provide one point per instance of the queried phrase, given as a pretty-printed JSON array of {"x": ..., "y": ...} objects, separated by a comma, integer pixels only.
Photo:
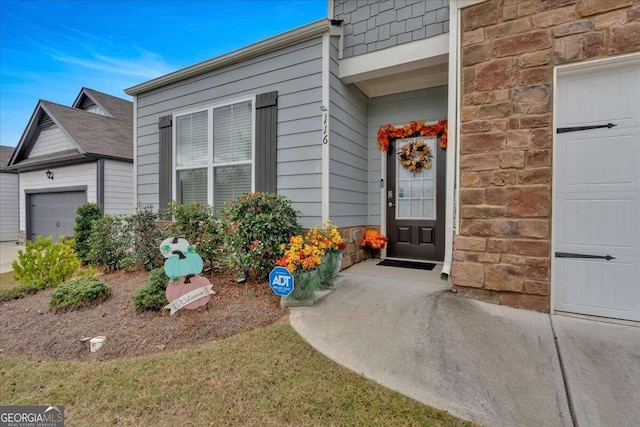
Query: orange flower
[
  {"x": 373, "y": 239},
  {"x": 389, "y": 132}
]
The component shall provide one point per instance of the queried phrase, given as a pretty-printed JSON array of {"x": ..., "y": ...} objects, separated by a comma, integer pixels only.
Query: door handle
[
  {"x": 391, "y": 204},
  {"x": 583, "y": 256}
]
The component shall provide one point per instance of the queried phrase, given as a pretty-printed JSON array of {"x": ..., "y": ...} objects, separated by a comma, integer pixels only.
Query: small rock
[{"x": 161, "y": 346}]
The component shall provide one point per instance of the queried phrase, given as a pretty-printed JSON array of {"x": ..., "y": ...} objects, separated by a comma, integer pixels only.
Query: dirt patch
[{"x": 30, "y": 328}]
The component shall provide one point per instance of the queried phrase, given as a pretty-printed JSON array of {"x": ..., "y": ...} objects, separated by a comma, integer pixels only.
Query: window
[
  {"x": 214, "y": 154},
  {"x": 416, "y": 193}
]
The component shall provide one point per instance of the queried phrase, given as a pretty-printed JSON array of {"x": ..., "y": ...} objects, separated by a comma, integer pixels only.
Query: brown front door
[{"x": 416, "y": 203}]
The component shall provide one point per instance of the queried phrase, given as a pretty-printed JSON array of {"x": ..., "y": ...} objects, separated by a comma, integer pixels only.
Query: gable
[
  {"x": 89, "y": 106},
  {"x": 51, "y": 140}
]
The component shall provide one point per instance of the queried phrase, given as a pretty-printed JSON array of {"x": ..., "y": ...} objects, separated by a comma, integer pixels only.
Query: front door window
[{"x": 416, "y": 179}]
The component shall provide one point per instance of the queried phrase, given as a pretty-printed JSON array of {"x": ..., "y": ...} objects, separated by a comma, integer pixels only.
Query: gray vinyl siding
[
  {"x": 64, "y": 177},
  {"x": 51, "y": 140},
  {"x": 295, "y": 72},
  {"x": 9, "y": 207},
  {"x": 118, "y": 188},
  {"x": 429, "y": 105},
  {"x": 378, "y": 24},
  {"x": 348, "y": 167}
]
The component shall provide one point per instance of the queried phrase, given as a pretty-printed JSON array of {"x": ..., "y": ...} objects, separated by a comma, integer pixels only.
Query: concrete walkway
[
  {"x": 8, "y": 252},
  {"x": 491, "y": 364}
]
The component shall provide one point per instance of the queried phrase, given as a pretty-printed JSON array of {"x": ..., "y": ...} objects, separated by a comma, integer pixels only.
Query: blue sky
[{"x": 50, "y": 49}]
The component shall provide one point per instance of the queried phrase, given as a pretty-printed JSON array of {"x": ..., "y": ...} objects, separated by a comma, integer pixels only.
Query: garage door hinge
[{"x": 579, "y": 128}]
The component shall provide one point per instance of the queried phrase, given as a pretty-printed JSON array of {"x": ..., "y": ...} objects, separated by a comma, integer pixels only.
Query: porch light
[{"x": 49, "y": 174}]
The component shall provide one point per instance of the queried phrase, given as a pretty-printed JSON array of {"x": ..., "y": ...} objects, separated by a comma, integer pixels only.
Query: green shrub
[
  {"x": 19, "y": 291},
  {"x": 151, "y": 295},
  {"x": 86, "y": 215},
  {"x": 111, "y": 243},
  {"x": 79, "y": 292},
  {"x": 197, "y": 223},
  {"x": 44, "y": 264},
  {"x": 258, "y": 223},
  {"x": 146, "y": 238}
]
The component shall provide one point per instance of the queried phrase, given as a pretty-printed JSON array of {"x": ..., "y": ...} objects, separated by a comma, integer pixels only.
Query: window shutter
[
  {"x": 165, "y": 131},
  {"x": 266, "y": 141}
]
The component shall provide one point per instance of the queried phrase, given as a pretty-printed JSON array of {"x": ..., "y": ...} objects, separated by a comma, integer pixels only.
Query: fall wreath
[
  {"x": 388, "y": 132},
  {"x": 415, "y": 156}
]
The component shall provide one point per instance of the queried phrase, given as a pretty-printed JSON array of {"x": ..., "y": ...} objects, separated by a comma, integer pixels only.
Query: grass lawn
[
  {"x": 7, "y": 281},
  {"x": 266, "y": 377}
]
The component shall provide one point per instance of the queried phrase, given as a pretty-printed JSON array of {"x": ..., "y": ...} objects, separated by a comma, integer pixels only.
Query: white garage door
[{"x": 596, "y": 209}]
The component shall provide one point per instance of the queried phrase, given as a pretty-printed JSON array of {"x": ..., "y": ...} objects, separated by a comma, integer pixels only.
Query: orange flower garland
[{"x": 388, "y": 132}]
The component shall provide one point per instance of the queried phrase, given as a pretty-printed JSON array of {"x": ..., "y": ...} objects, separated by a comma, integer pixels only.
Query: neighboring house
[
  {"x": 71, "y": 155},
  {"x": 301, "y": 114},
  {"x": 9, "y": 212}
]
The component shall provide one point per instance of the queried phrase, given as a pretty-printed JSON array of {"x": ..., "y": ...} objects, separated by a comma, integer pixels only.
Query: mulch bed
[{"x": 29, "y": 328}]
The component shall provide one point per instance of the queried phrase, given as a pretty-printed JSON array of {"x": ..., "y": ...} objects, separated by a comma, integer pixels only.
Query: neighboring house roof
[
  {"x": 93, "y": 135},
  {"x": 260, "y": 48},
  {"x": 5, "y": 155}
]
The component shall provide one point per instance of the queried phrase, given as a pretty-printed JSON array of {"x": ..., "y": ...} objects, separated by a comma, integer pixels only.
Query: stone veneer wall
[
  {"x": 509, "y": 50},
  {"x": 351, "y": 237}
]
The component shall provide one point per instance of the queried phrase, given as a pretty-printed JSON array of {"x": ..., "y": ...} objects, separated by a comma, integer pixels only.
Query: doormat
[{"x": 407, "y": 264}]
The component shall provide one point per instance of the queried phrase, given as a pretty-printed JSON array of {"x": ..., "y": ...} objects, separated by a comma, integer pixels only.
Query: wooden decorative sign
[
  {"x": 189, "y": 292},
  {"x": 185, "y": 288}
]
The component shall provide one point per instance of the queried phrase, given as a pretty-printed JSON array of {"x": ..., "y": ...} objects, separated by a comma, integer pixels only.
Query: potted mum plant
[
  {"x": 327, "y": 238},
  {"x": 373, "y": 241},
  {"x": 302, "y": 260}
]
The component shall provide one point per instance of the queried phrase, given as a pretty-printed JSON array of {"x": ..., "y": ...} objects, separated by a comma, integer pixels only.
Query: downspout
[
  {"x": 100, "y": 184},
  {"x": 452, "y": 221},
  {"x": 135, "y": 153}
]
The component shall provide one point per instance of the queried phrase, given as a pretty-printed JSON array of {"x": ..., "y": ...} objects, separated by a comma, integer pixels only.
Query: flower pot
[
  {"x": 329, "y": 268},
  {"x": 337, "y": 256},
  {"x": 372, "y": 253},
  {"x": 306, "y": 282}
]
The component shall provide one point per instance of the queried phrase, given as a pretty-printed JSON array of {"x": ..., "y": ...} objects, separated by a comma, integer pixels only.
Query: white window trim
[{"x": 210, "y": 165}]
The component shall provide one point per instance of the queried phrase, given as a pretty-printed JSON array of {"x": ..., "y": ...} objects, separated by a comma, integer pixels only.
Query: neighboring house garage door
[
  {"x": 53, "y": 214},
  {"x": 596, "y": 267}
]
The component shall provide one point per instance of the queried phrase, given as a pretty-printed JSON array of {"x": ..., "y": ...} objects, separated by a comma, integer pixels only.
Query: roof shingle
[{"x": 96, "y": 134}]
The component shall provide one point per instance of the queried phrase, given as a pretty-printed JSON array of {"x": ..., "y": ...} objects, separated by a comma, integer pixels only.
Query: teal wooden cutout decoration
[{"x": 183, "y": 263}]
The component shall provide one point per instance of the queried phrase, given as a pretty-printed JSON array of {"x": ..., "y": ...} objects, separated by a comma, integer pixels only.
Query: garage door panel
[
  {"x": 601, "y": 161},
  {"x": 53, "y": 214},
  {"x": 586, "y": 227},
  {"x": 599, "y": 288},
  {"x": 596, "y": 207},
  {"x": 608, "y": 87}
]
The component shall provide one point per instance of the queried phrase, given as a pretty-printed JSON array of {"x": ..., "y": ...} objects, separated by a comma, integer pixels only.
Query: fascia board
[
  {"x": 271, "y": 44},
  {"x": 404, "y": 57}
]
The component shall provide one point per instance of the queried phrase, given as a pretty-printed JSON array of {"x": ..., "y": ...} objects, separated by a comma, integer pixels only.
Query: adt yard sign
[{"x": 281, "y": 281}]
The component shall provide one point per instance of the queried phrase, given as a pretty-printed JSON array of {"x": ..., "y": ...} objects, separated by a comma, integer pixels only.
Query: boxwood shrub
[
  {"x": 151, "y": 295},
  {"x": 79, "y": 292}
]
